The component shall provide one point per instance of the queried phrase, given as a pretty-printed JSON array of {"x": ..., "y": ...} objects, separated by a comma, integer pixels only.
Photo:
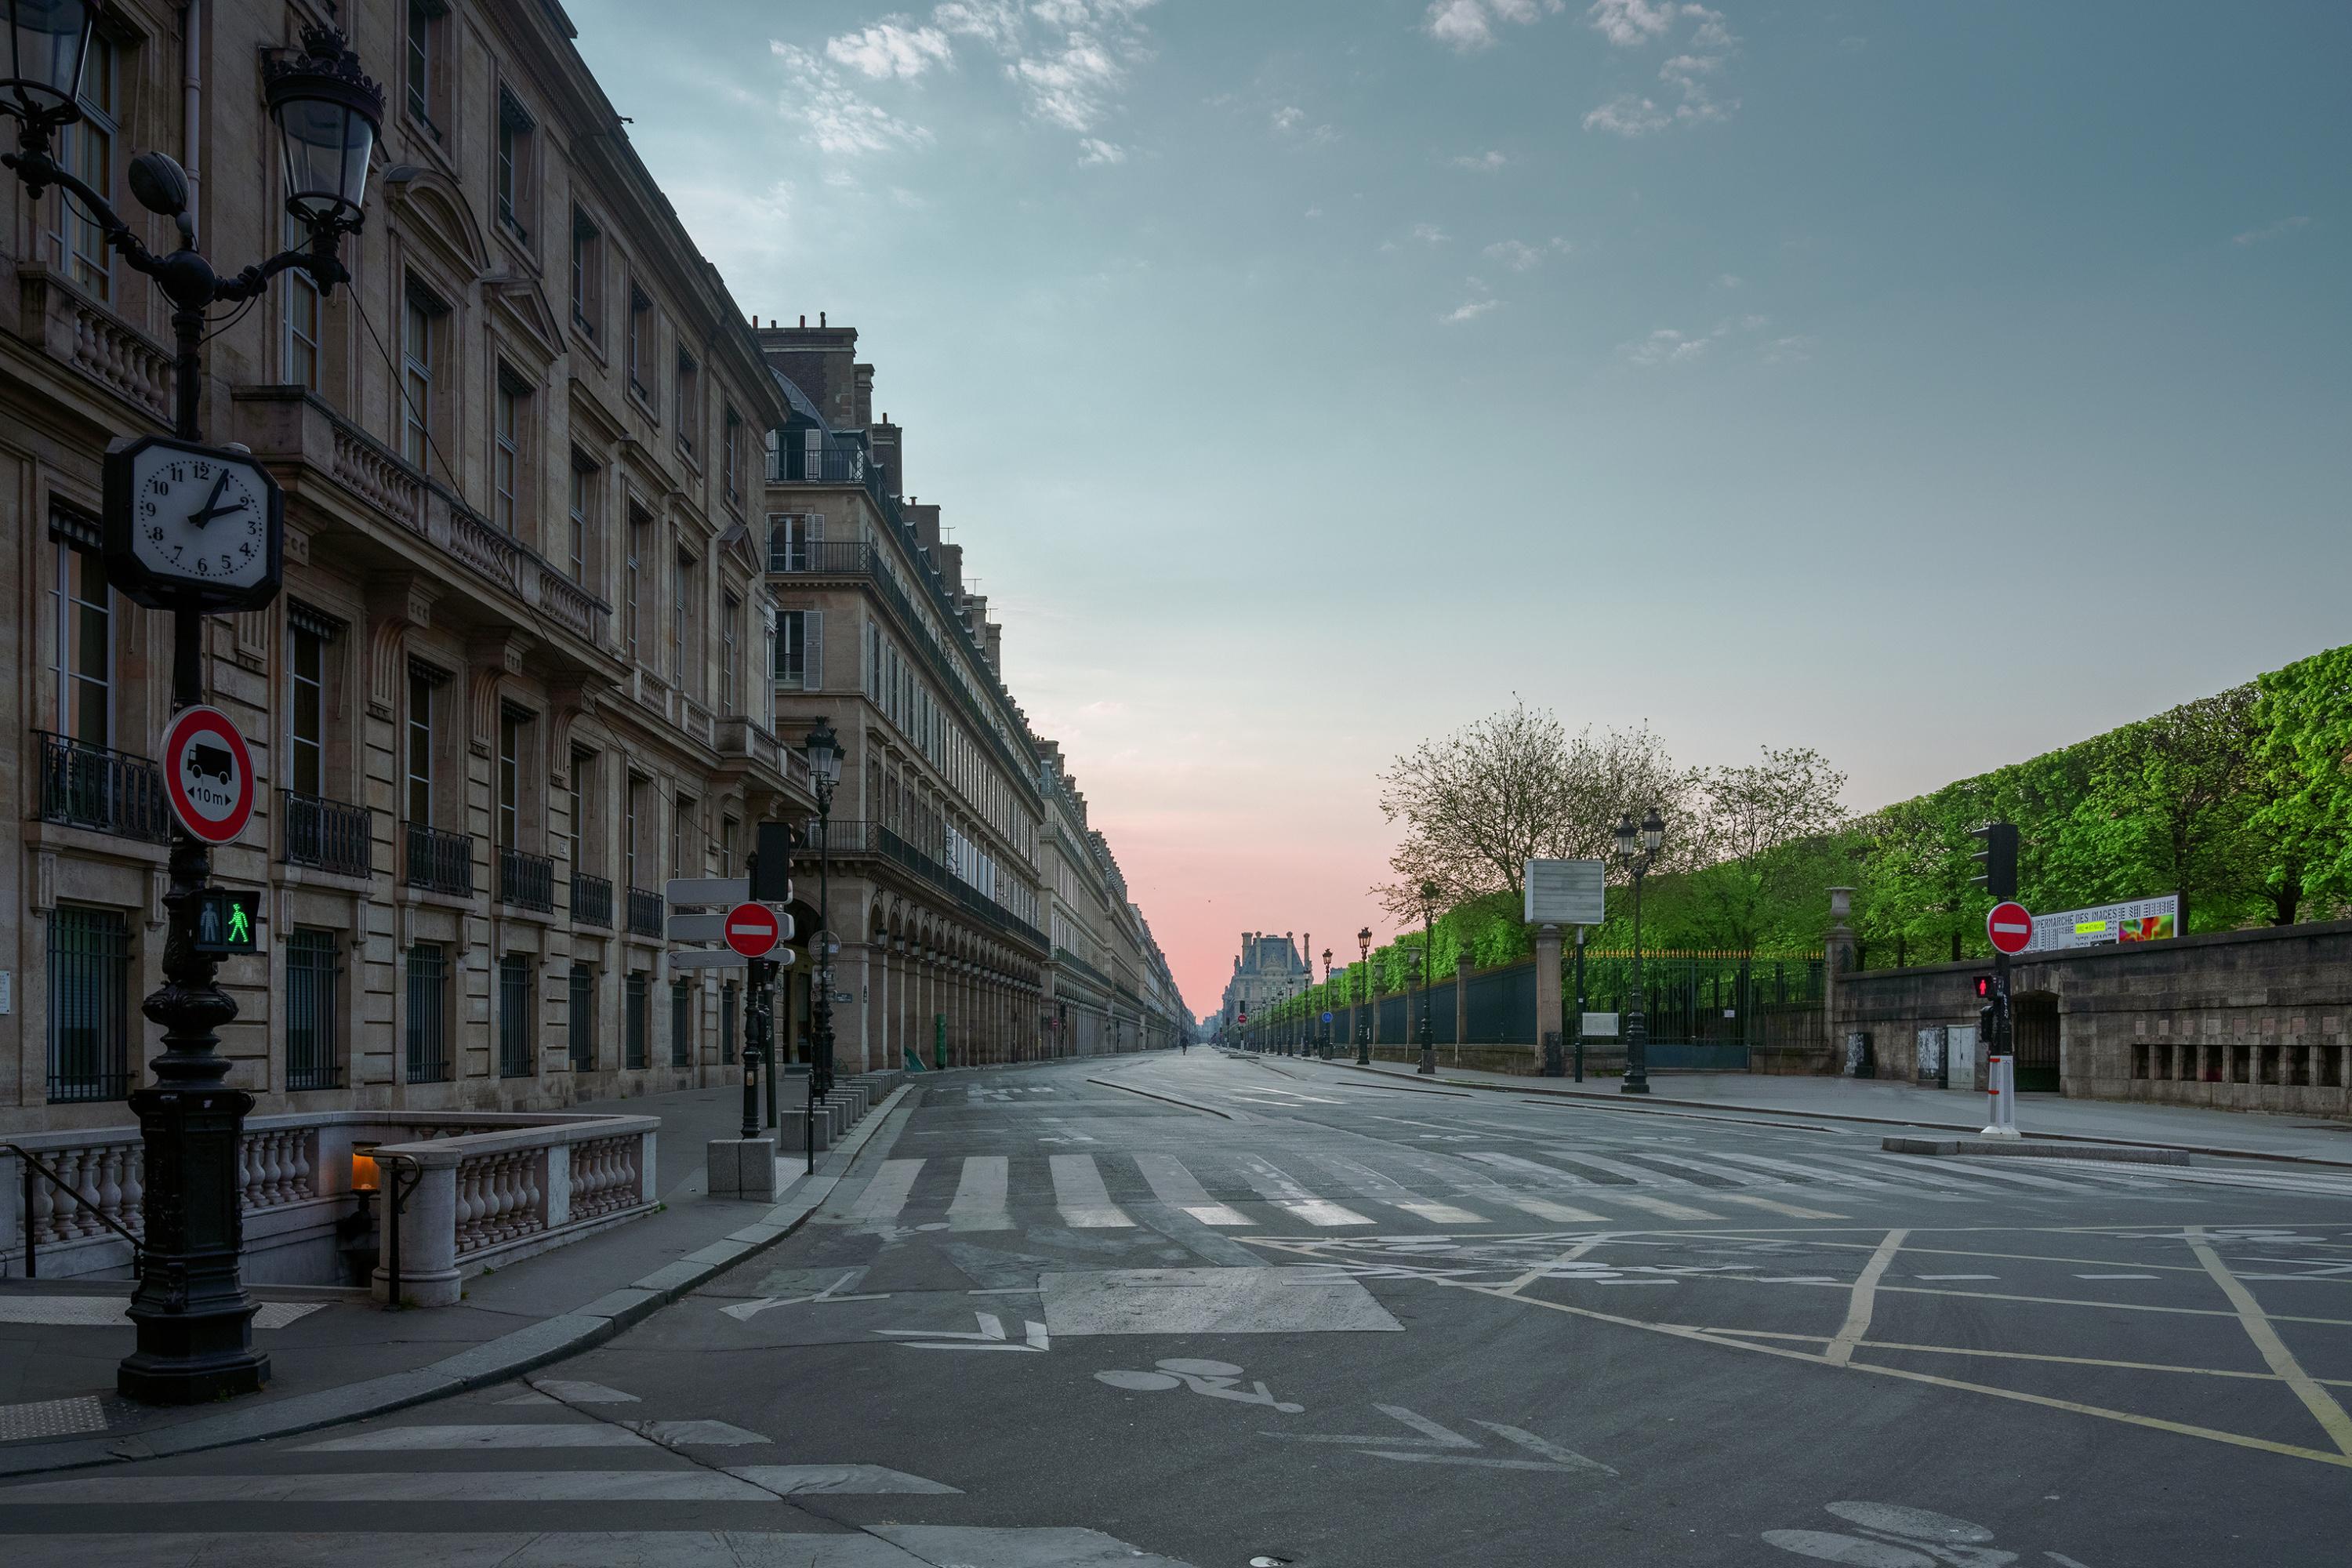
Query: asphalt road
[{"x": 1049, "y": 1320}]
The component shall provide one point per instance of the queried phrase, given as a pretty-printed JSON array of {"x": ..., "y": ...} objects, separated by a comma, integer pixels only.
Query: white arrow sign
[
  {"x": 706, "y": 890},
  {"x": 719, "y": 958}
]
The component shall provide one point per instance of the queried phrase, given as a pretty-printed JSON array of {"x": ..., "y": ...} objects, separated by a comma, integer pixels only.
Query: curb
[
  {"x": 2141, "y": 1156},
  {"x": 1616, "y": 1102},
  {"x": 494, "y": 1361}
]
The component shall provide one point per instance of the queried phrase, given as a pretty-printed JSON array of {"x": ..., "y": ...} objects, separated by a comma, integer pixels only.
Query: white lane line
[
  {"x": 1552, "y": 1175},
  {"x": 696, "y": 1434},
  {"x": 1079, "y": 1193},
  {"x": 1281, "y": 1189},
  {"x": 1819, "y": 1175},
  {"x": 1658, "y": 1206},
  {"x": 1387, "y": 1190},
  {"x": 1177, "y": 1188},
  {"x": 1640, "y": 1175},
  {"x": 2322, "y": 1404},
  {"x": 885, "y": 1195},
  {"x": 1321, "y": 1212},
  {"x": 1864, "y": 1301},
  {"x": 575, "y": 1390},
  {"x": 452, "y": 1439},
  {"x": 1941, "y": 1182},
  {"x": 1722, "y": 1174},
  {"x": 1956, "y": 1276},
  {"x": 1543, "y": 1208},
  {"x": 2116, "y": 1276},
  {"x": 1791, "y": 1210},
  {"x": 979, "y": 1202},
  {"x": 430, "y": 1486}
]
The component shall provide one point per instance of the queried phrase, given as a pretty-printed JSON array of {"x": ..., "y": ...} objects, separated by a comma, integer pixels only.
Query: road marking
[
  {"x": 885, "y": 1195},
  {"x": 410, "y": 1439},
  {"x": 1660, "y": 1207},
  {"x": 2116, "y": 1277},
  {"x": 2316, "y": 1399},
  {"x": 991, "y": 1337},
  {"x": 696, "y": 1434},
  {"x": 1440, "y": 1446},
  {"x": 1864, "y": 1301},
  {"x": 1437, "y": 1214},
  {"x": 1278, "y": 1188},
  {"x": 2033, "y": 1355},
  {"x": 1959, "y": 1277},
  {"x": 1543, "y": 1208},
  {"x": 862, "y": 1480},
  {"x": 1321, "y": 1212},
  {"x": 978, "y": 1202},
  {"x": 1211, "y": 1300},
  {"x": 744, "y": 1312},
  {"x": 1177, "y": 1188},
  {"x": 429, "y": 1486},
  {"x": 1552, "y": 1175},
  {"x": 573, "y": 1391},
  {"x": 1213, "y": 1379},
  {"x": 1396, "y": 1194},
  {"x": 1791, "y": 1210},
  {"x": 1082, "y": 1199}
]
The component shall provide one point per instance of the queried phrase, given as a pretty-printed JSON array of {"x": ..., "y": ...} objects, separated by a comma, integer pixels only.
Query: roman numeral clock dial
[{"x": 190, "y": 526}]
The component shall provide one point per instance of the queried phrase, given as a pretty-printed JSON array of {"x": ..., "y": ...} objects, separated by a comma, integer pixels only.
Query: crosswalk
[
  {"x": 1452, "y": 1187},
  {"x": 604, "y": 1487}
]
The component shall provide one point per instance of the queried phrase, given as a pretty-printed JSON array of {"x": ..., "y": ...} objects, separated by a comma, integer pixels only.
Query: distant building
[{"x": 1270, "y": 968}]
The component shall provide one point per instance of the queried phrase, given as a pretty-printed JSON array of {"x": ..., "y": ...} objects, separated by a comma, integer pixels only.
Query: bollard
[{"x": 2000, "y": 1088}]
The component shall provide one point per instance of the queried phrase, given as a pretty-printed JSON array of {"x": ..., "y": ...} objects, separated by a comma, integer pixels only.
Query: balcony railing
[
  {"x": 440, "y": 862},
  {"x": 846, "y": 838},
  {"x": 591, "y": 899},
  {"x": 328, "y": 834},
  {"x": 101, "y": 789},
  {"x": 645, "y": 912},
  {"x": 526, "y": 882}
]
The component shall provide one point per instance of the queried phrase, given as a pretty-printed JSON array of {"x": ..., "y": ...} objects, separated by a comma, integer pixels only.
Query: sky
[{"x": 1930, "y": 385}]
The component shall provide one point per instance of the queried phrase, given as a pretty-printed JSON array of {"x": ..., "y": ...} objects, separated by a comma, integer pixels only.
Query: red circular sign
[
  {"x": 207, "y": 773},
  {"x": 2010, "y": 926},
  {"x": 753, "y": 930}
]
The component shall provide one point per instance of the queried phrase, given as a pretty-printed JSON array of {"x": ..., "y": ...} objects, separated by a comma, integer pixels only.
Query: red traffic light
[{"x": 1984, "y": 987}]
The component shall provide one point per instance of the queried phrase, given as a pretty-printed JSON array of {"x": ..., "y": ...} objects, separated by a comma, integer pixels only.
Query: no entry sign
[
  {"x": 753, "y": 930},
  {"x": 2010, "y": 926},
  {"x": 207, "y": 773}
]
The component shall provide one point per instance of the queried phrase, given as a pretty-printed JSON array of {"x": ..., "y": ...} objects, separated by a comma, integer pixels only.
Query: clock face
[{"x": 199, "y": 519}]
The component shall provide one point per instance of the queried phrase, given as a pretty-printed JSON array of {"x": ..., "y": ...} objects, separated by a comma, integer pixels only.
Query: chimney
[
  {"x": 991, "y": 643},
  {"x": 925, "y": 522},
  {"x": 864, "y": 376},
  {"x": 822, "y": 360},
  {"x": 889, "y": 448}
]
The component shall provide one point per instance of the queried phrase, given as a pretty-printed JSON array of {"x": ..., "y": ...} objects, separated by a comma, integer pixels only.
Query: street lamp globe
[
  {"x": 1626, "y": 835},
  {"x": 327, "y": 113},
  {"x": 48, "y": 42},
  {"x": 824, "y": 750},
  {"x": 1364, "y": 944},
  {"x": 1653, "y": 831}
]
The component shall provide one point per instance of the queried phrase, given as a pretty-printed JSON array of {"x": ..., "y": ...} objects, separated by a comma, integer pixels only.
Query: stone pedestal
[
  {"x": 741, "y": 1168},
  {"x": 1549, "y": 1026},
  {"x": 428, "y": 1240}
]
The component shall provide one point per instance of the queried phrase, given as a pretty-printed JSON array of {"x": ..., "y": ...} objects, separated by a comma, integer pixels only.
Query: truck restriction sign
[
  {"x": 2010, "y": 926},
  {"x": 753, "y": 930},
  {"x": 207, "y": 773}
]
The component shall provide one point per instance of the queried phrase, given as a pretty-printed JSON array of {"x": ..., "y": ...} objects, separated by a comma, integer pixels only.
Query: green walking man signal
[{"x": 224, "y": 922}]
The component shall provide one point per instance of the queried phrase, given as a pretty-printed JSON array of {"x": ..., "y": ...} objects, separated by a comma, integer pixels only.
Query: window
[
  {"x": 90, "y": 1004},
  {"x": 421, "y": 688},
  {"x": 583, "y": 764},
  {"x": 581, "y": 1017},
  {"x": 512, "y": 180},
  {"x": 511, "y": 726},
  {"x": 640, "y": 529},
  {"x": 690, "y": 403},
  {"x": 800, "y": 649},
  {"x": 685, "y": 627},
  {"x": 508, "y": 407},
  {"x": 515, "y": 1052},
  {"x": 313, "y": 996},
  {"x": 641, "y": 340},
  {"x": 682, "y": 1023},
  {"x": 636, "y": 788},
  {"x": 420, "y": 317},
  {"x": 86, "y": 147},
  {"x": 428, "y": 1014},
  {"x": 587, "y": 272},
  {"x": 731, "y": 466},
  {"x": 636, "y": 1019},
  {"x": 728, "y": 829},
  {"x": 303, "y": 311},
  {"x": 424, "y": 61},
  {"x": 583, "y": 498},
  {"x": 682, "y": 839},
  {"x": 793, "y": 539},
  {"x": 84, "y": 604},
  {"x": 307, "y": 728},
  {"x": 730, "y": 638}
]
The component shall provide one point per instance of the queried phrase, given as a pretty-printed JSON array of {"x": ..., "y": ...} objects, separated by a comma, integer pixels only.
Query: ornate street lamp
[
  {"x": 1363, "y": 989},
  {"x": 822, "y": 748},
  {"x": 1429, "y": 891},
  {"x": 1325, "y": 1008},
  {"x": 190, "y": 1314},
  {"x": 1637, "y": 849}
]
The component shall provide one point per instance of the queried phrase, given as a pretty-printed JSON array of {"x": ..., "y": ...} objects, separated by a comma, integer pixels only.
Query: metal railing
[
  {"x": 645, "y": 912},
  {"x": 526, "y": 882},
  {"x": 328, "y": 834},
  {"x": 591, "y": 899},
  {"x": 102, "y": 789},
  {"x": 81, "y": 1207},
  {"x": 852, "y": 837},
  {"x": 440, "y": 862}
]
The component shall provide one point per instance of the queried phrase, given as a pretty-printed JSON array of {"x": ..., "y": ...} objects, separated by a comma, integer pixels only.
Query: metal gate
[{"x": 2033, "y": 1022}]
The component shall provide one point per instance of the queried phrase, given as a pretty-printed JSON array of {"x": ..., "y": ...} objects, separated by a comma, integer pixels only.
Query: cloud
[
  {"x": 1470, "y": 310},
  {"x": 1313, "y": 212},
  {"x": 891, "y": 48},
  {"x": 1668, "y": 346},
  {"x": 1430, "y": 234},
  {"x": 1691, "y": 72},
  {"x": 1626, "y": 115},
  {"x": 834, "y": 119},
  {"x": 1484, "y": 163},
  {"x": 1631, "y": 23},
  {"x": 1467, "y": 25},
  {"x": 1515, "y": 253},
  {"x": 2269, "y": 231},
  {"x": 1730, "y": 281},
  {"x": 1094, "y": 150},
  {"x": 1291, "y": 120},
  {"x": 1788, "y": 351}
]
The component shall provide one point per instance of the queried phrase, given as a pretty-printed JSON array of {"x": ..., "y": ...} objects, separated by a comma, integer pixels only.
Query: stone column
[
  {"x": 1461, "y": 1005},
  {"x": 1837, "y": 959},
  {"x": 1550, "y": 1023}
]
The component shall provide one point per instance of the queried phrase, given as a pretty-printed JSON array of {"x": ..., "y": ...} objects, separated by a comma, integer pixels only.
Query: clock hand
[{"x": 209, "y": 510}]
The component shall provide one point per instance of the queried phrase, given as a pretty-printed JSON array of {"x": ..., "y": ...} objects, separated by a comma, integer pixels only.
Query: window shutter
[
  {"x": 816, "y": 527},
  {"x": 813, "y": 652}
]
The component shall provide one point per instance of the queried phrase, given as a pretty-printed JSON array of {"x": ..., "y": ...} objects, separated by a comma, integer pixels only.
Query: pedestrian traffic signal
[
  {"x": 1999, "y": 858},
  {"x": 224, "y": 922},
  {"x": 1984, "y": 988}
]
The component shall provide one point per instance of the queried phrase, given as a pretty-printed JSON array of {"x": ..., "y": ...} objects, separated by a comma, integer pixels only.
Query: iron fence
[
  {"x": 328, "y": 834},
  {"x": 591, "y": 899},
  {"x": 313, "y": 998},
  {"x": 102, "y": 789},
  {"x": 515, "y": 1049},
  {"x": 636, "y": 1020},
  {"x": 526, "y": 882},
  {"x": 581, "y": 1022},
  {"x": 428, "y": 1014},
  {"x": 440, "y": 862},
  {"x": 90, "y": 1004},
  {"x": 645, "y": 914}
]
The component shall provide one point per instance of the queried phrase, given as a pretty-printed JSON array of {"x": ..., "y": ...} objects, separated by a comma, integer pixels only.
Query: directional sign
[
  {"x": 207, "y": 773},
  {"x": 1326, "y": 1018},
  {"x": 721, "y": 958},
  {"x": 2010, "y": 925},
  {"x": 706, "y": 890},
  {"x": 713, "y": 927},
  {"x": 753, "y": 930}
]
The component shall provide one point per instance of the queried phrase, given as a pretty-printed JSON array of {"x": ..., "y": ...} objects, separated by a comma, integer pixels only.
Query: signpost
[
  {"x": 2010, "y": 926},
  {"x": 754, "y": 935},
  {"x": 207, "y": 773},
  {"x": 754, "y": 929},
  {"x": 1562, "y": 893}
]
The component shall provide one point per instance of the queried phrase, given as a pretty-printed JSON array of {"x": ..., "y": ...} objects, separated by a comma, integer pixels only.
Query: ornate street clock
[{"x": 191, "y": 527}]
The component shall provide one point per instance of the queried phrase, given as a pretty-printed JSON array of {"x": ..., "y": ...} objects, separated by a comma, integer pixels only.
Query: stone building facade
[{"x": 1268, "y": 969}]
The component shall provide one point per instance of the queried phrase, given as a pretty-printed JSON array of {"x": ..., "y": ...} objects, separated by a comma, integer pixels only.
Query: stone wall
[{"x": 2252, "y": 1020}]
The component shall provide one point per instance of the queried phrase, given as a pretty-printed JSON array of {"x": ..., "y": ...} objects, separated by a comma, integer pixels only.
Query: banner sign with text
[{"x": 2137, "y": 920}]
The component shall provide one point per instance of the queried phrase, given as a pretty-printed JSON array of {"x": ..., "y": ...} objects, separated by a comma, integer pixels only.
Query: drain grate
[{"x": 65, "y": 1417}]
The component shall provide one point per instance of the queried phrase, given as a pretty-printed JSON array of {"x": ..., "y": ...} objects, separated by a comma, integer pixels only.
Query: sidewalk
[
  {"x": 2234, "y": 1133},
  {"x": 335, "y": 1355}
]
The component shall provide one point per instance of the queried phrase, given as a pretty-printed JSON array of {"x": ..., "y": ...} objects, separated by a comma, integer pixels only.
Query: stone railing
[
  {"x": 67, "y": 325},
  {"x": 489, "y": 1186}
]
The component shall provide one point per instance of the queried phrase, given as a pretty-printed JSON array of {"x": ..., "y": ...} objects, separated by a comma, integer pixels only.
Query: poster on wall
[{"x": 2138, "y": 920}]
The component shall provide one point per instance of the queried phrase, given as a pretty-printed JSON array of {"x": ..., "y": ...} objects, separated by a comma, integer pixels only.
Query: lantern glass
[
  {"x": 365, "y": 1177},
  {"x": 48, "y": 42},
  {"x": 327, "y": 142},
  {"x": 1653, "y": 831},
  {"x": 1626, "y": 835}
]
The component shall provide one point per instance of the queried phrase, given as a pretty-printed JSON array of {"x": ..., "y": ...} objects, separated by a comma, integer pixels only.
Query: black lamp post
[
  {"x": 1363, "y": 990},
  {"x": 825, "y": 753},
  {"x": 1325, "y": 1007},
  {"x": 192, "y": 1317},
  {"x": 1428, "y": 954},
  {"x": 1637, "y": 848}
]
